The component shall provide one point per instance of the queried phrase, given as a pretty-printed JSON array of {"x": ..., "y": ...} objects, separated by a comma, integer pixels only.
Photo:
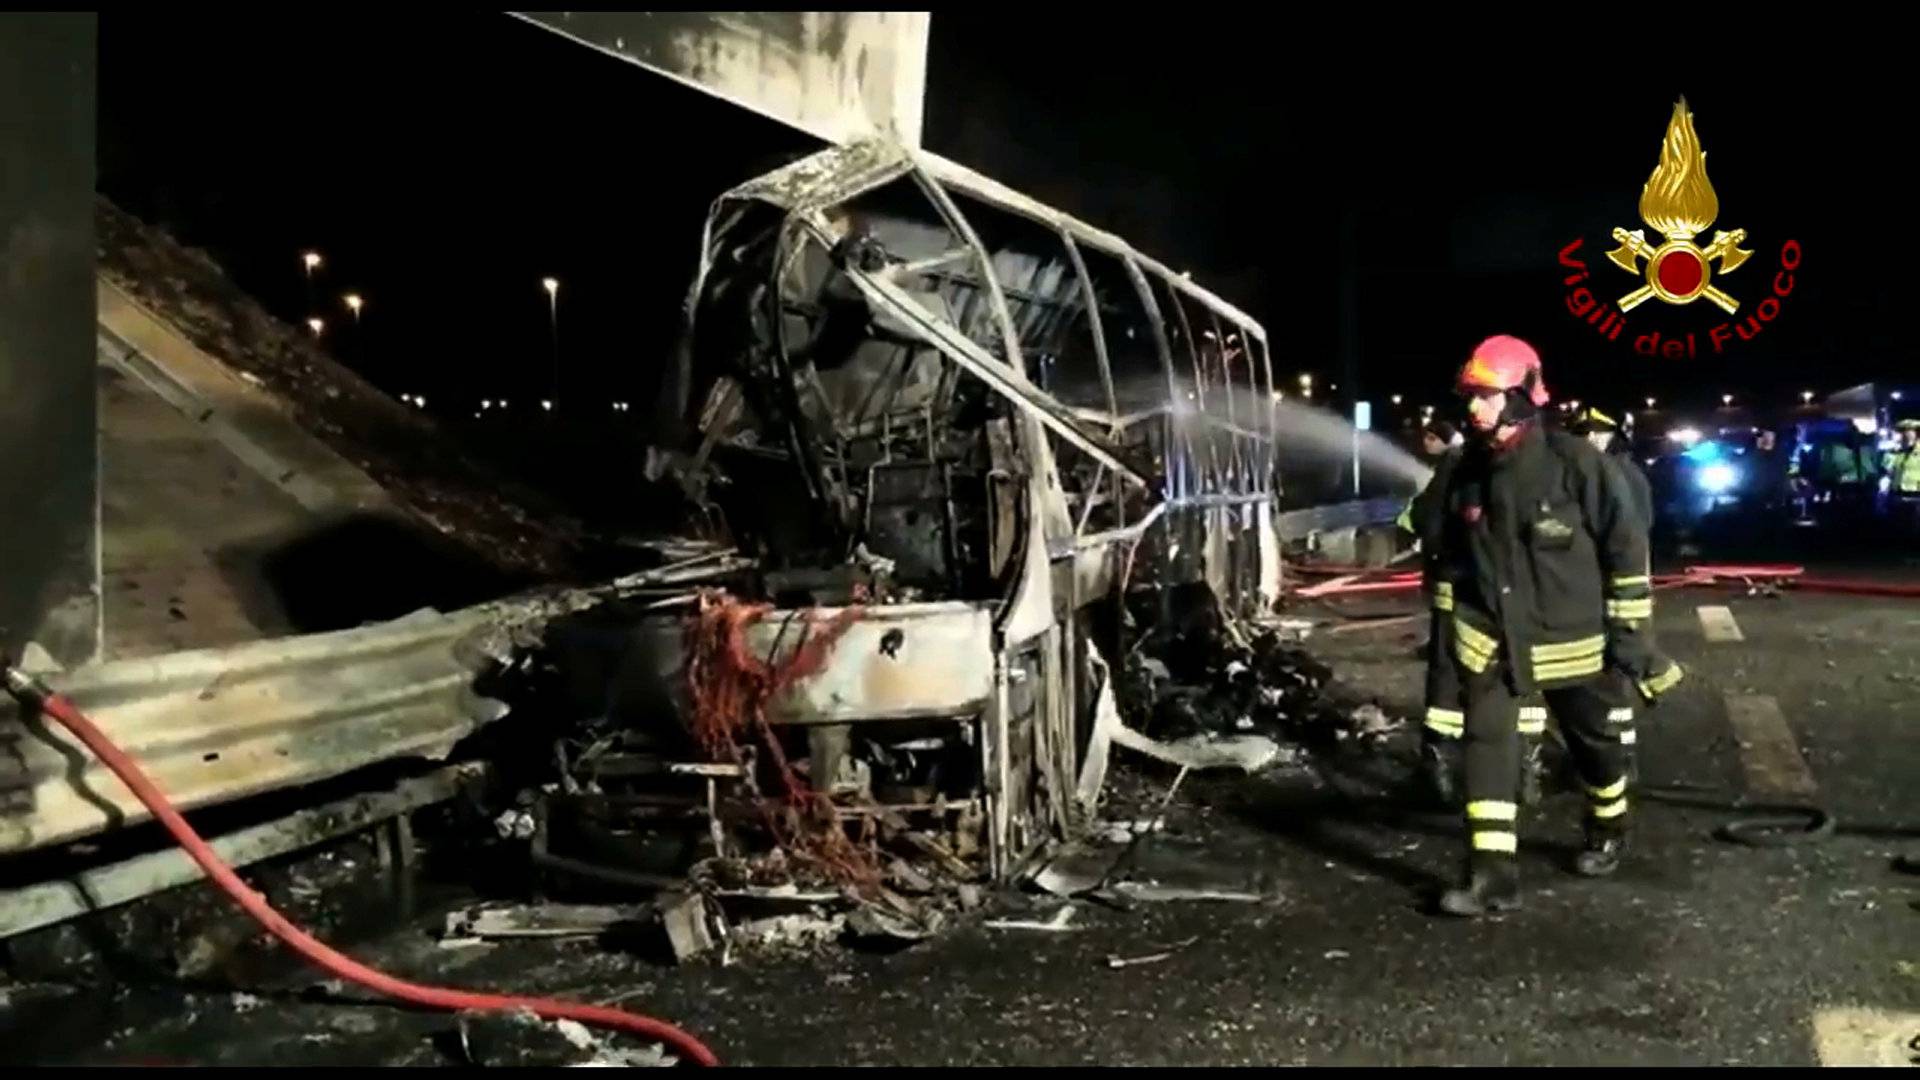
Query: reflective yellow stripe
[
  {"x": 1610, "y": 792},
  {"x": 1569, "y": 669},
  {"x": 1443, "y": 596},
  {"x": 1492, "y": 810},
  {"x": 1533, "y": 712},
  {"x": 1620, "y": 714},
  {"x": 1532, "y": 727},
  {"x": 1662, "y": 682},
  {"x": 1496, "y": 841},
  {"x": 1630, "y": 609},
  {"x": 1629, "y": 737},
  {"x": 1606, "y": 811},
  {"x": 1475, "y": 661},
  {"x": 1449, "y": 722},
  {"x": 1474, "y": 637},
  {"x": 1625, "y": 581},
  {"x": 1474, "y": 648},
  {"x": 1405, "y": 520},
  {"x": 1568, "y": 650}
]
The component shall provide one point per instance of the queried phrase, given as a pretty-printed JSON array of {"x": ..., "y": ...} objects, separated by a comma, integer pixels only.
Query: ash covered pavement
[{"x": 1699, "y": 952}]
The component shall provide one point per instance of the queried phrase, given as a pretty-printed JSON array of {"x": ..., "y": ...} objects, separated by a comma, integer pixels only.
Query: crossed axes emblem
[{"x": 1679, "y": 271}]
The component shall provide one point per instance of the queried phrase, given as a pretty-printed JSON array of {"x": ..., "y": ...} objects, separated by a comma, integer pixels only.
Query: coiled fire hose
[{"x": 36, "y": 695}]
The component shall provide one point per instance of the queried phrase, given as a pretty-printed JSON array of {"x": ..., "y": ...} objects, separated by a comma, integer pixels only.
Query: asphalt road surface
[{"x": 1699, "y": 952}]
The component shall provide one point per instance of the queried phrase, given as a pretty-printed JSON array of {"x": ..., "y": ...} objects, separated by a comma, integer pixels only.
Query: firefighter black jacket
[{"x": 1539, "y": 568}]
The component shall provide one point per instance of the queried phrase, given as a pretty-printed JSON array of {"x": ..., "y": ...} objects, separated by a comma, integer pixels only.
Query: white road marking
[
  {"x": 1862, "y": 1036},
  {"x": 1716, "y": 622},
  {"x": 1768, "y": 753}
]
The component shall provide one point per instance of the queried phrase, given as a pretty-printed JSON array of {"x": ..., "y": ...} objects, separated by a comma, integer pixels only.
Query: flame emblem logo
[{"x": 1679, "y": 203}]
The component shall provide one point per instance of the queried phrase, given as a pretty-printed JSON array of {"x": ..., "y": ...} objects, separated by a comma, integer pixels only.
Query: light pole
[{"x": 552, "y": 285}]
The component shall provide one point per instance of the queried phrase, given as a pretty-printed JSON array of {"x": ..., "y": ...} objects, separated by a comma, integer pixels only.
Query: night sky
[{"x": 444, "y": 168}]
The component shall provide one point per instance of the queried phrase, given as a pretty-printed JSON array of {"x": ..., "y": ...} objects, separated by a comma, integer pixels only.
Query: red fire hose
[{"x": 32, "y": 693}]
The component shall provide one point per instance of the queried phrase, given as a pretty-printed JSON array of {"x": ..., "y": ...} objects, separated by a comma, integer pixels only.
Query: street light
[
  {"x": 309, "y": 262},
  {"x": 1806, "y": 396},
  {"x": 1306, "y": 381},
  {"x": 1896, "y": 395},
  {"x": 316, "y": 325},
  {"x": 354, "y": 304},
  {"x": 1396, "y": 399},
  {"x": 1649, "y": 403},
  {"x": 1726, "y": 399},
  {"x": 552, "y": 285}
]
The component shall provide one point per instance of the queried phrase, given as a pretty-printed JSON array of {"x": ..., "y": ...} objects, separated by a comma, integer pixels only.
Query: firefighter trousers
[
  {"x": 1590, "y": 714},
  {"x": 1623, "y": 704}
]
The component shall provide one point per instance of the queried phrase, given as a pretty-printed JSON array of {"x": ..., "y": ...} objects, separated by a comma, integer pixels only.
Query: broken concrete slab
[
  {"x": 1120, "y": 832},
  {"x": 903, "y": 875},
  {"x": 876, "y": 924},
  {"x": 1076, "y": 869},
  {"x": 1061, "y": 920},
  {"x": 538, "y": 921},
  {"x": 1152, "y": 893},
  {"x": 788, "y": 931},
  {"x": 689, "y": 925},
  {"x": 787, "y": 893},
  {"x": 518, "y": 1038},
  {"x": 1248, "y": 753},
  {"x": 1114, "y": 961}
]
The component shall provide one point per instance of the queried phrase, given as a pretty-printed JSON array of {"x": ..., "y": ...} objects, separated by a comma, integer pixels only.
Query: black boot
[
  {"x": 1440, "y": 774},
  {"x": 1493, "y": 885},
  {"x": 1606, "y": 846}
]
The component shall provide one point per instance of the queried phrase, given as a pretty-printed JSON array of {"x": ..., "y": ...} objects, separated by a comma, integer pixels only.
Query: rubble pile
[{"x": 1201, "y": 675}]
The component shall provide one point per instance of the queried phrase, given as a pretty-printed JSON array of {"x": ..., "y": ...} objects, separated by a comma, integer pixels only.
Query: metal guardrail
[
  {"x": 103, "y": 887},
  {"x": 212, "y": 725},
  {"x": 1301, "y": 523}
]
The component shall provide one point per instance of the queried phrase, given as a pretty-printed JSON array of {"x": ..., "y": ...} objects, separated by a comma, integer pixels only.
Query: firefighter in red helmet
[{"x": 1544, "y": 561}]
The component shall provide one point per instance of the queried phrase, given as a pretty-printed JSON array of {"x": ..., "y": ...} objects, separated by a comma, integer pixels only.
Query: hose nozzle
[{"x": 25, "y": 688}]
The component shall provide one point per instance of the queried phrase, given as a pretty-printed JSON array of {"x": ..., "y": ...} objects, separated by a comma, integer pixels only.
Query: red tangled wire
[{"x": 730, "y": 688}]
